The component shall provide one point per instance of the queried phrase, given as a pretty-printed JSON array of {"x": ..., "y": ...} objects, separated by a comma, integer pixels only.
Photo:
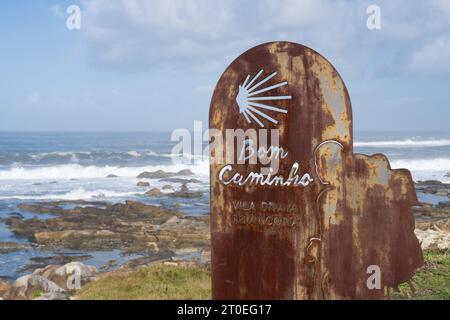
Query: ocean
[{"x": 74, "y": 166}]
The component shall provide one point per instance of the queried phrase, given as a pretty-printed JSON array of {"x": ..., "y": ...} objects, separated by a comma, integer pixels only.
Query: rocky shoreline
[
  {"x": 433, "y": 220},
  {"x": 158, "y": 235}
]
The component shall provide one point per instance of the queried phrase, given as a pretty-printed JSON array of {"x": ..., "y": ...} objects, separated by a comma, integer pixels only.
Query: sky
[{"x": 153, "y": 64}]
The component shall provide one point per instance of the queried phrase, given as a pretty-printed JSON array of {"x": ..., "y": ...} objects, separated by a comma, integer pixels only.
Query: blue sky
[{"x": 152, "y": 65}]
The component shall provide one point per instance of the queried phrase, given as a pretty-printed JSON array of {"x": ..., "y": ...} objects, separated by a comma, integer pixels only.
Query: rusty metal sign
[{"x": 295, "y": 214}]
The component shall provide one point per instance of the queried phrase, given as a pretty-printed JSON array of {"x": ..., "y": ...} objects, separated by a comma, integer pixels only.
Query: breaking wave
[
  {"x": 76, "y": 171},
  {"x": 77, "y": 194},
  {"x": 403, "y": 143}
]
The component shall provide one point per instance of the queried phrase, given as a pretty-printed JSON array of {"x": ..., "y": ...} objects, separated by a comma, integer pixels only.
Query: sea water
[{"x": 74, "y": 166}]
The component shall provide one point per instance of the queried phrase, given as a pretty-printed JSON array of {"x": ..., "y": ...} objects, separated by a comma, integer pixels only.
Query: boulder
[
  {"x": 4, "y": 286},
  {"x": 143, "y": 184},
  {"x": 160, "y": 174},
  {"x": 429, "y": 183},
  {"x": 433, "y": 239},
  {"x": 112, "y": 176},
  {"x": 41, "y": 263},
  {"x": 152, "y": 175},
  {"x": 46, "y": 272},
  {"x": 155, "y": 192},
  {"x": 185, "y": 172},
  {"x": 167, "y": 187},
  {"x": 152, "y": 246},
  {"x": 66, "y": 275},
  {"x": 8, "y": 247},
  {"x": 172, "y": 220},
  {"x": 184, "y": 192},
  {"x": 30, "y": 287},
  {"x": 180, "y": 180},
  {"x": 52, "y": 296}
]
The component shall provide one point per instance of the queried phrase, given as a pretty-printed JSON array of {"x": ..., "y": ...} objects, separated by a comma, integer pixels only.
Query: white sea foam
[
  {"x": 77, "y": 194},
  {"x": 403, "y": 143},
  {"x": 134, "y": 154},
  {"x": 76, "y": 171},
  {"x": 436, "y": 164},
  {"x": 425, "y": 169}
]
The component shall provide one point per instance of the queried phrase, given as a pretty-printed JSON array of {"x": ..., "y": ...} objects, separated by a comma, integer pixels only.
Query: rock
[
  {"x": 143, "y": 184},
  {"x": 172, "y": 220},
  {"x": 425, "y": 205},
  {"x": 99, "y": 196},
  {"x": 184, "y": 188},
  {"x": 145, "y": 261},
  {"x": 205, "y": 256},
  {"x": 55, "y": 236},
  {"x": 160, "y": 174},
  {"x": 4, "y": 287},
  {"x": 433, "y": 187},
  {"x": 53, "y": 296},
  {"x": 444, "y": 204},
  {"x": 57, "y": 207},
  {"x": 185, "y": 172},
  {"x": 433, "y": 239},
  {"x": 17, "y": 215},
  {"x": 39, "y": 263},
  {"x": 111, "y": 176},
  {"x": 152, "y": 246},
  {"x": 155, "y": 192},
  {"x": 30, "y": 287},
  {"x": 429, "y": 183},
  {"x": 68, "y": 276},
  {"x": 442, "y": 192},
  {"x": 109, "y": 265},
  {"x": 184, "y": 194},
  {"x": 47, "y": 271},
  {"x": 180, "y": 180},
  {"x": 8, "y": 247},
  {"x": 167, "y": 187},
  {"x": 152, "y": 175},
  {"x": 126, "y": 226}
]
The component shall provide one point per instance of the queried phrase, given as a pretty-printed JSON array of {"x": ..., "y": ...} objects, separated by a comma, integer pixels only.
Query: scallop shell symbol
[{"x": 249, "y": 101}]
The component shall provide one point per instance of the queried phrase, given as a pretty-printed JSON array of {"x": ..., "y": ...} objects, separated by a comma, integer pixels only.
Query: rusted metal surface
[{"x": 314, "y": 242}]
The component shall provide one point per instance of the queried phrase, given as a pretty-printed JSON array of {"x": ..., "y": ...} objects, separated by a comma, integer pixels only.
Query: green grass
[
  {"x": 151, "y": 283},
  {"x": 177, "y": 282},
  {"x": 432, "y": 281},
  {"x": 37, "y": 293}
]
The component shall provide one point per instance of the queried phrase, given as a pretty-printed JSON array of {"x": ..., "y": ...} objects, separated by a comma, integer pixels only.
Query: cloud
[
  {"x": 134, "y": 35},
  {"x": 433, "y": 58}
]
